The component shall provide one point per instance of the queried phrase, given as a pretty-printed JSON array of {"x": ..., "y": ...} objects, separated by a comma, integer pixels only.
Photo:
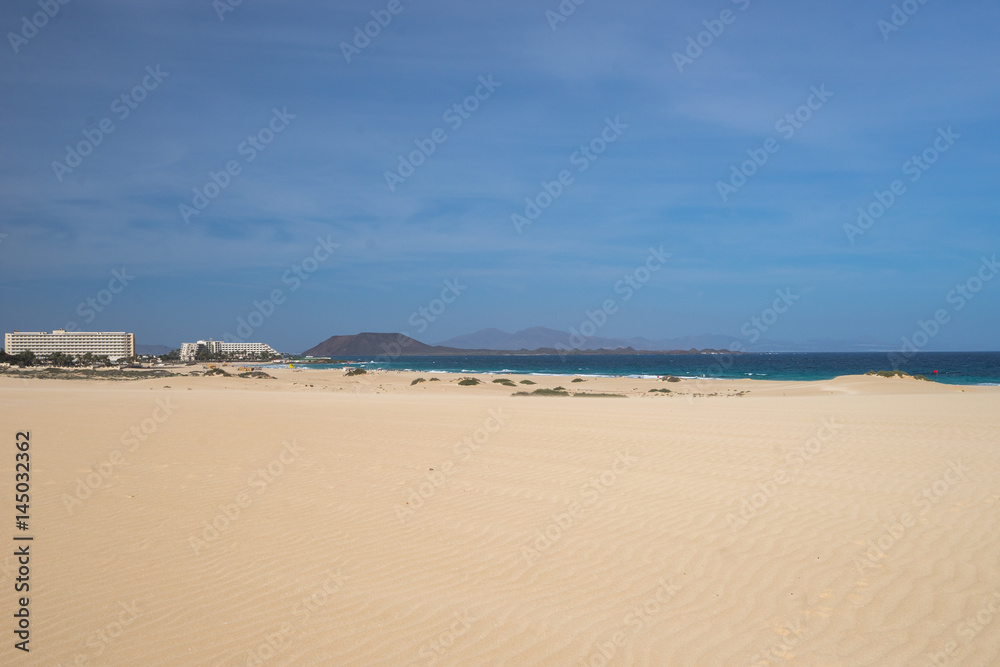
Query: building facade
[
  {"x": 190, "y": 350},
  {"x": 112, "y": 344}
]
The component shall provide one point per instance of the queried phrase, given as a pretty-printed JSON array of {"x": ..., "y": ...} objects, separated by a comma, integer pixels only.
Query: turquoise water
[{"x": 967, "y": 368}]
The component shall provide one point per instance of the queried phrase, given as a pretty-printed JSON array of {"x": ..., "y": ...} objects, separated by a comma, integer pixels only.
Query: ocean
[{"x": 965, "y": 368}]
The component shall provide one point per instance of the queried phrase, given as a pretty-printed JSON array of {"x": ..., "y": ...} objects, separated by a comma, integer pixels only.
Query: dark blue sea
[{"x": 947, "y": 367}]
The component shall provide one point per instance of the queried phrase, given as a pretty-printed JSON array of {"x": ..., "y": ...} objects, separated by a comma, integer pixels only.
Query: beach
[{"x": 316, "y": 518}]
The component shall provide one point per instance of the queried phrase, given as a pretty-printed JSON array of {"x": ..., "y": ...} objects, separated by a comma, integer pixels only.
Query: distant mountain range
[
  {"x": 392, "y": 345},
  {"x": 542, "y": 340},
  {"x": 538, "y": 337}
]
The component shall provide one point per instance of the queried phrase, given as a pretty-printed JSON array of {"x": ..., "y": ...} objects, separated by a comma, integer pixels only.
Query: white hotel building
[
  {"x": 112, "y": 344},
  {"x": 189, "y": 350}
]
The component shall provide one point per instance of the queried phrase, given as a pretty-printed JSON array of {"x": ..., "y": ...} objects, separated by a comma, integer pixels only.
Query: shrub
[
  {"x": 898, "y": 374},
  {"x": 600, "y": 395},
  {"x": 671, "y": 378},
  {"x": 469, "y": 382},
  {"x": 435, "y": 379},
  {"x": 527, "y": 382},
  {"x": 542, "y": 392},
  {"x": 416, "y": 381},
  {"x": 216, "y": 371},
  {"x": 355, "y": 371},
  {"x": 578, "y": 380},
  {"x": 662, "y": 391},
  {"x": 257, "y": 375},
  {"x": 505, "y": 382}
]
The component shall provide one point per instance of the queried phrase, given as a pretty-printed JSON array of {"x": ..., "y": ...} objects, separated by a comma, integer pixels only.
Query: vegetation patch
[
  {"x": 600, "y": 395},
  {"x": 528, "y": 382},
  {"x": 435, "y": 379},
  {"x": 505, "y": 382},
  {"x": 469, "y": 382},
  {"x": 578, "y": 380},
  {"x": 257, "y": 375},
  {"x": 897, "y": 374},
  {"x": 355, "y": 371},
  {"x": 87, "y": 374},
  {"x": 418, "y": 380},
  {"x": 216, "y": 371},
  {"x": 670, "y": 378},
  {"x": 543, "y": 392},
  {"x": 661, "y": 391}
]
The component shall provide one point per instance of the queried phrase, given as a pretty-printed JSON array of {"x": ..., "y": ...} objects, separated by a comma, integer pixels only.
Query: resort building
[
  {"x": 112, "y": 344},
  {"x": 190, "y": 350}
]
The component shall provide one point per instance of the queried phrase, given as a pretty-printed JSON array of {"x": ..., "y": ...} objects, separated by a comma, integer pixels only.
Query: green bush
[
  {"x": 355, "y": 371},
  {"x": 671, "y": 378},
  {"x": 578, "y": 380},
  {"x": 469, "y": 382},
  {"x": 416, "y": 381},
  {"x": 898, "y": 374},
  {"x": 542, "y": 392},
  {"x": 257, "y": 375},
  {"x": 528, "y": 382},
  {"x": 505, "y": 382}
]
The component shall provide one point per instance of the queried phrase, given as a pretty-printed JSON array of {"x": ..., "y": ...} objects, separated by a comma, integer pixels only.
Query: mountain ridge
[{"x": 371, "y": 344}]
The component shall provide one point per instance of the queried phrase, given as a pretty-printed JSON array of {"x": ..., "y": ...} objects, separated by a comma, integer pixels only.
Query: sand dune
[{"x": 319, "y": 519}]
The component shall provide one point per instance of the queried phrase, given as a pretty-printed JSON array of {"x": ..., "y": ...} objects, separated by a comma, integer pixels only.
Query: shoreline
[{"x": 397, "y": 381}]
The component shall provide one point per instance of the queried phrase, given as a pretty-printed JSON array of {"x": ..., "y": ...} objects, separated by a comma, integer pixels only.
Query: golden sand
[{"x": 321, "y": 519}]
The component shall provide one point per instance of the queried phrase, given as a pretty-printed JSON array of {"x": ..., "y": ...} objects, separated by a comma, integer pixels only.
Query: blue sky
[{"x": 343, "y": 125}]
